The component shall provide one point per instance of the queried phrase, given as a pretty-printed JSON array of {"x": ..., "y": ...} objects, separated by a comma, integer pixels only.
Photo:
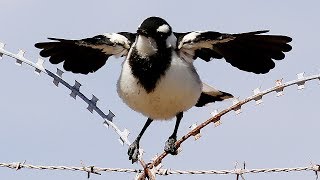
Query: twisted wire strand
[{"x": 163, "y": 172}]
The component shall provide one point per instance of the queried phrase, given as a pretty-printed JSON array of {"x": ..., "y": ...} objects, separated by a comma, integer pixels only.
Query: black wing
[
  {"x": 86, "y": 55},
  {"x": 252, "y": 51}
]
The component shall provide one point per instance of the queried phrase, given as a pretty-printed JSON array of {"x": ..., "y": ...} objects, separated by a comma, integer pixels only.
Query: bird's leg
[
  {"x": 133, "y": 150},
  {"x": 170, "y": 146}
]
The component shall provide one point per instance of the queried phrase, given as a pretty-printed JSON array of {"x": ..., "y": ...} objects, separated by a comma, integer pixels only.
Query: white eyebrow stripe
[{"x": 163, "y": 28}]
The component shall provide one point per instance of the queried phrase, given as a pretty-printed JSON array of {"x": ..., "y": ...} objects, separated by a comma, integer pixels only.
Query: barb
[
  {"x": 236, "y": 106},
  {"x": 163, "y": 172},
  {"x": 89, "y": 170},
  {"x": 75, "y": 90}
]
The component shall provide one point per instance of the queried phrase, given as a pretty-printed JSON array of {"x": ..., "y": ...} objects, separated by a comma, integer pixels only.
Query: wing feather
[
  {"x": 86, "y": 55},
  {"x": 251, "y": 51}
]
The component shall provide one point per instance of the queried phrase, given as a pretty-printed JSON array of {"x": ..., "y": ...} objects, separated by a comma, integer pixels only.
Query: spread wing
[
  {"x": 253, "y": 51},
  {"x": 86, "y": 55}
]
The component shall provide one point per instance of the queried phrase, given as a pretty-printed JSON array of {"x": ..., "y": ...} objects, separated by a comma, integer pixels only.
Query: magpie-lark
[{"x": 158, "y": 78}]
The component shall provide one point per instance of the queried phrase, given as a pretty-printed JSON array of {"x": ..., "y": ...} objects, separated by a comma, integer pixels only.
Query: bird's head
[
  {"x": 156, "y": 28},
  {"x": 154, "y": 34}
]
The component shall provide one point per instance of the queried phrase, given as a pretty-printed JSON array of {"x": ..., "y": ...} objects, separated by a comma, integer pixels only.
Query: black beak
[{"x": 142, "y": 32}]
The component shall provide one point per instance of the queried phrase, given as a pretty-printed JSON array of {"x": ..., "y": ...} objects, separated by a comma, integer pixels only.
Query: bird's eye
[{"x": 162, "y": 35}]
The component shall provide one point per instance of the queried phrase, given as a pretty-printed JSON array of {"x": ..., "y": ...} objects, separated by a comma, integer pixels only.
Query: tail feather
[{"x": 210, "y": 95}]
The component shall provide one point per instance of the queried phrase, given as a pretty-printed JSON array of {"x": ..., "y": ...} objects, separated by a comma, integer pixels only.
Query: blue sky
[{"x": 43, "y": 125}]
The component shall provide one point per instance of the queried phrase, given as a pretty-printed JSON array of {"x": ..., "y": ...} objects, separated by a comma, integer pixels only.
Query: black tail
[{"x": 210, "y": 95}]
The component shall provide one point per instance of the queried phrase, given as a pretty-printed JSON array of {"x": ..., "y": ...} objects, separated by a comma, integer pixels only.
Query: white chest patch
[{"x": 177, "y": 91}]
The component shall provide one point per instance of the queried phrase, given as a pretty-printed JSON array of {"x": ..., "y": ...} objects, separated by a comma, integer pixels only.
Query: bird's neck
[{"x": 149, "y": 69}]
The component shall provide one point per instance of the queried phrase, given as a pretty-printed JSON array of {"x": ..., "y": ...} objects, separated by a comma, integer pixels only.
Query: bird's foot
[
  {"x": 133, "y": 151},
  {"x": 170, "y": 146}
]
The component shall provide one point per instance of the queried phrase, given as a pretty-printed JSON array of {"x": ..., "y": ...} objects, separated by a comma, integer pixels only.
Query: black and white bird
[{"x": 158, "y": 78}]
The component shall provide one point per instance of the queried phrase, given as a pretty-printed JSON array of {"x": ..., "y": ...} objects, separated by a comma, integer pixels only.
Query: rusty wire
[{"x": 237, "y": 104}]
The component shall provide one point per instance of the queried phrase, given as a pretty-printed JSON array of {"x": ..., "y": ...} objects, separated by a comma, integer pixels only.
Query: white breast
[{"x": 177, "y": 91}]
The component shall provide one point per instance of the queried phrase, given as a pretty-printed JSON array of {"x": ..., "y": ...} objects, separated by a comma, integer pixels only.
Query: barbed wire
[
  {"x": 155, "y": 167},
  {"x": 75, "y": 90},
  {"x": 164, "y": 172},
  {"x": 236, "y": 106}
]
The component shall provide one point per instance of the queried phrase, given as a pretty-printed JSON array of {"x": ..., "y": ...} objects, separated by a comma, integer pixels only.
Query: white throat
[
  {"x": 146, "y": 46},
  {"x": 171, "y": 41}
]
